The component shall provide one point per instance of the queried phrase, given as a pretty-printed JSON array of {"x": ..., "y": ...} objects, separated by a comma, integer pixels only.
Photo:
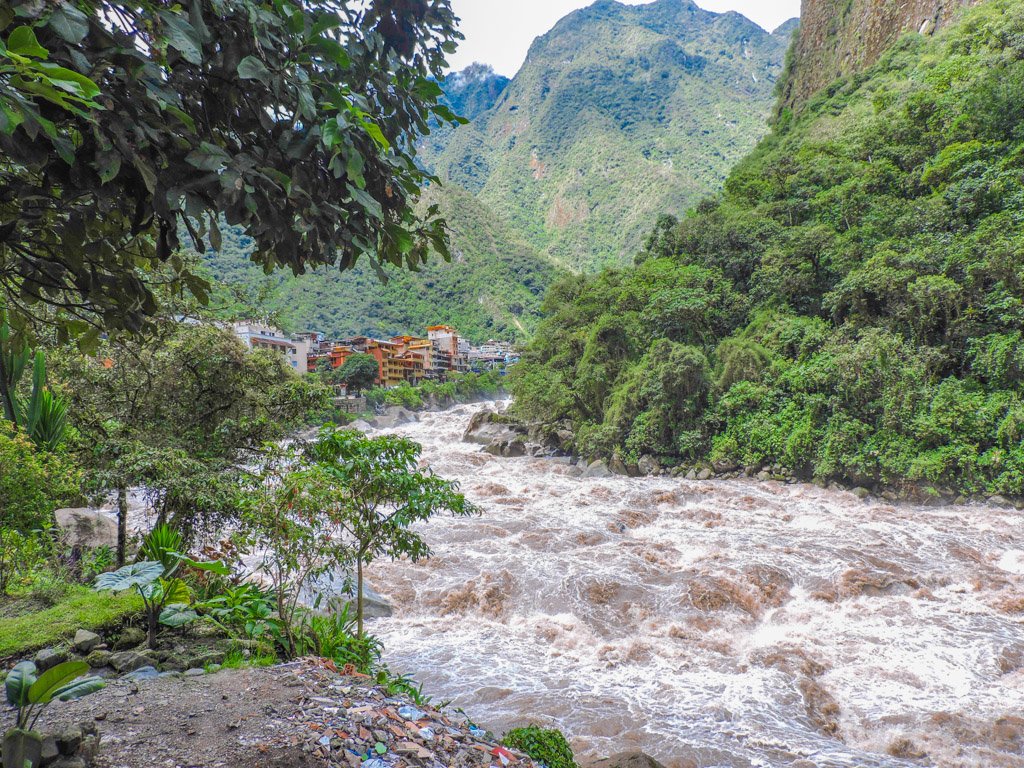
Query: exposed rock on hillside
[{"x": 834, "y": 43}]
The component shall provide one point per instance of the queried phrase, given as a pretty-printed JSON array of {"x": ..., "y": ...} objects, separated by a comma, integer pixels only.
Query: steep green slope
[
  {"x": 469, "y": 93},
  {"x": 851, "y": 307},
  {"x": 618, "y": 113},
  {"x": 491, "y": 288}
]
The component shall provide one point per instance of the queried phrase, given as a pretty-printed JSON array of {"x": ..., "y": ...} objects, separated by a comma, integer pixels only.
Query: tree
[
  {"x": 285, "y": 521},
  {"x": 176, "y": 414},
  {"x": 374, "y": 492},
  {"x": 126, "y": 128},
  {"x": 358, "y": 372}
]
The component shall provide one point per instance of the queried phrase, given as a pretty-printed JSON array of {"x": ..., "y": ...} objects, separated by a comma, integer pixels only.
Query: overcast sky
[{"x": 499, "y": 32}]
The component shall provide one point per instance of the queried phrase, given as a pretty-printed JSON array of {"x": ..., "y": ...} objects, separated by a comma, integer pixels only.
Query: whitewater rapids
[{"x": 719, "y": 623}]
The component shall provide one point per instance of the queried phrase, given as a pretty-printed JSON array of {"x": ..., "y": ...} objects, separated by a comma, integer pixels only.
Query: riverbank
[{"x": 504, "y": 435}]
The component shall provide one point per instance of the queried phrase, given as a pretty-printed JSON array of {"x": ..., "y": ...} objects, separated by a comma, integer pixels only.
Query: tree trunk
[
  {"x": 359, "y": 596},
  {"x": 122, "y": 524},
  {"x": 152, "y": 618}
]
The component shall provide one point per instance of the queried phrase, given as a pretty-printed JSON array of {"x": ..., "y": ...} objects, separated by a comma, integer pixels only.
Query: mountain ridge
[{"x": 618, "y": 112}]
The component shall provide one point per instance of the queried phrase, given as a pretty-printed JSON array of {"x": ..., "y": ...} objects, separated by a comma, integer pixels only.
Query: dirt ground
[
  {"x": 233, "y": 718},
  {"x": 300, "y": 714}
]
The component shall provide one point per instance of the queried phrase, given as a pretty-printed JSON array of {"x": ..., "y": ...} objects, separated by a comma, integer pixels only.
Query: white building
[{"x": 261, "y": 336}]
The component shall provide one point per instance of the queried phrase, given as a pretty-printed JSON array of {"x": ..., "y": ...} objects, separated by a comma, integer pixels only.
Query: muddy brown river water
[{"x": 726, "y": 623}]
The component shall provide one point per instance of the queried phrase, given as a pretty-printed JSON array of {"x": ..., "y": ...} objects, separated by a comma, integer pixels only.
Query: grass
[{"x": 70, "y": 609}]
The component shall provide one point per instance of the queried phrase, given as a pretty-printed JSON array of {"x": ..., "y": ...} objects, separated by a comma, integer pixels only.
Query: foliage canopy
[{"x": 127, "y": 128}]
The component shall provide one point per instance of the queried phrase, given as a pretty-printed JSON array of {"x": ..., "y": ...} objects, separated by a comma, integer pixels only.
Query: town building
[
  {"x": 410, "y": 359},
  {"x": 256, "y": 335}
]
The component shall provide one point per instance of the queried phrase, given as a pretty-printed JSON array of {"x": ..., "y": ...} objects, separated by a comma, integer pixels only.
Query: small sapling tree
[{"x": 375, "y": 492}]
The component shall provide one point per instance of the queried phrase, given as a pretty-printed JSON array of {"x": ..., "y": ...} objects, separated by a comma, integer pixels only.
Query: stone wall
[{"x": 838, "y": 38}]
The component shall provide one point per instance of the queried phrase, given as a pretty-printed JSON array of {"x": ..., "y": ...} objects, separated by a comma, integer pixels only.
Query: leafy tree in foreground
[
  {"x": 374, "y": 491},
  {"x": 285, "y": 524},
  {"x": 128, "y": 128}
]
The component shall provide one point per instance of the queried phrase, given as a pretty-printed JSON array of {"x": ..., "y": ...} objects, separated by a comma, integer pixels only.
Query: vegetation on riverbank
[
  {"x": 459, "y": 388},
  {"x": 851, "y": 305}
]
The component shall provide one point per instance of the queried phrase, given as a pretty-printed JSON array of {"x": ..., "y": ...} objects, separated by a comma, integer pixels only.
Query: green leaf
[
  {"x": 177, "y": 615},
  {"x": 251, "y": 68},
  {"x": 78, "y": 689},
  {"x": 182, "y": 117},
  {"x": 208, "y": 157},
  {"x": 70, "y": 81},
  {"x": 307, "y": 106},
  {"x": 134, "y": 575},
  {"x": 55, "y": 678},
  {"x": 368, "y": 202},
  {"x": 108, "y": 164},
  {"x": 23, "y": 42},
  {"x": 69, "y": 23},
  {"x": 174, "y": 591},
  {"x": 18, "y": 683},
  {"x": 182, "y": 36},
  {"x": 215, "y": 236},
  {"x": 376, "y": 134},
  {"x": 326, "y": 22}
]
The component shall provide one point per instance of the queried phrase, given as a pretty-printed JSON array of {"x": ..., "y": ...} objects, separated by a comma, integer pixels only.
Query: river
[{"x": 719, "y": 623}]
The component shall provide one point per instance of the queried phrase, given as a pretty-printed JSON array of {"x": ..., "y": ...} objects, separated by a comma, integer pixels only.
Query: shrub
[{"x": 546, "y": 745}]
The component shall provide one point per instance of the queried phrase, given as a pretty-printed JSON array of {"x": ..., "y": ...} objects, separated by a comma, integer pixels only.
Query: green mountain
[
  {"x": 469, "y": 93},
  {"x": 491, "y": 288},
  {"x": 852, "y": 306},
  {"x": 619, "y": 112}
]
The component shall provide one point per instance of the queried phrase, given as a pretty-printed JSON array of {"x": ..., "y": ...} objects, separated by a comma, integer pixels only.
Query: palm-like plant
[
  {"x": 30, "y": 693},
  {"x": 44, "y": 416}
]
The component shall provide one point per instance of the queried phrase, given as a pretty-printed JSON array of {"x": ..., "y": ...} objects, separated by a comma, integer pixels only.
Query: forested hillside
[
  {"x": 852, "y": 305},
  {"x": 618, "y": 113},
  {"x": 492, "y": 287}
]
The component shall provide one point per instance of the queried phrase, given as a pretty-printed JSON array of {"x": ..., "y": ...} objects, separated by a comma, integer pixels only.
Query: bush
[
  {"x": 546, "y": 745},
  {"x": 32, "y": 484}
]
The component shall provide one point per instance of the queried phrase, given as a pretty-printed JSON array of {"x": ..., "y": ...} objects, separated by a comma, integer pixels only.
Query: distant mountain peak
[
  {"x": 475, "y": 72},
  {"x": 786, "y": 28},
  {"x": 618, "y": 113}
]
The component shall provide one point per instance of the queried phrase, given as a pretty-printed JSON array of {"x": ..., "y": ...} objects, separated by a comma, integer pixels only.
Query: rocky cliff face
[{"x": 838, "y": 38}]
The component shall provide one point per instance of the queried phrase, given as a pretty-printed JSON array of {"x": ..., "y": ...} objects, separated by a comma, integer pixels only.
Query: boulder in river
[
  {"x": 648, "y": 465},
  {"x": 87, "y": 528},
  {"x": 627, "y": 760},
  {"x": 597, "y": 468},
  {"x": 395, "y": 417},
  {"x": 375, "y": 605},
  {"x": 487, "y": 427}
]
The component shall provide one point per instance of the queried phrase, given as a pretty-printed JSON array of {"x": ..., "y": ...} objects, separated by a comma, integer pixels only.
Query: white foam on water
[
  {"x": 722, "y": 623},
  {"x": 1012, "y": 561}
]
